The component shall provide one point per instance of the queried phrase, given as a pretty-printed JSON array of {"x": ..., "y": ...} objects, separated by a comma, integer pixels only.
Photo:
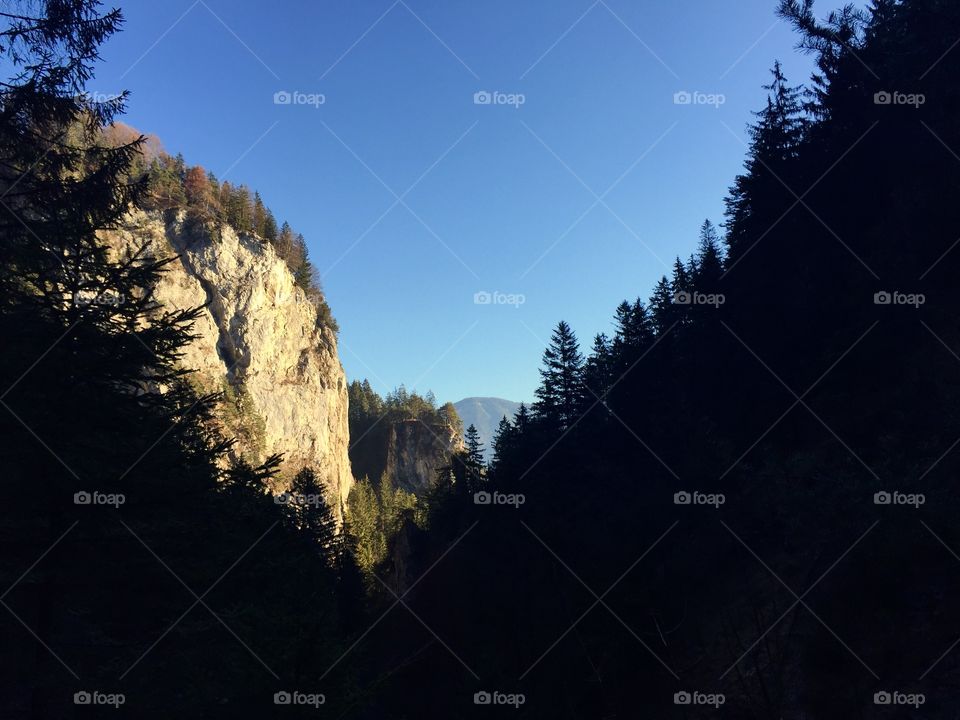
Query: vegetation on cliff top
[{"x": 171, "y": 184}]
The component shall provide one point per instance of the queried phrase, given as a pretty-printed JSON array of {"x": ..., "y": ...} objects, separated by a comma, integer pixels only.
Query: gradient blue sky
[{"x": 503, "y": 198}]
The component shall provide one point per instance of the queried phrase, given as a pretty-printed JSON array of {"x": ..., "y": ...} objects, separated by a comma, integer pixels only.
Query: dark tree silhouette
[{"x": 561, "y": 394}]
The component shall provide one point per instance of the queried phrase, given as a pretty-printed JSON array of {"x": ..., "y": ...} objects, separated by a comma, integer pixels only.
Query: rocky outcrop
[
  {"x": 259, "y": 342},
  {"x": 416, "y": 450}
]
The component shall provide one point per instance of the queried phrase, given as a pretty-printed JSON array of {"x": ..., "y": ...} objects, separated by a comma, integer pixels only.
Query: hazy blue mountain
[{"x": 484, "y": 413}]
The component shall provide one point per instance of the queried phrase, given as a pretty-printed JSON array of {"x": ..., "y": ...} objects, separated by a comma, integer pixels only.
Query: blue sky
[{"x": 414, "y": 198}]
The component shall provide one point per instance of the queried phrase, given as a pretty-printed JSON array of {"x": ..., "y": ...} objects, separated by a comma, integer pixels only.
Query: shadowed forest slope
[{"x": 750, "y": 489}]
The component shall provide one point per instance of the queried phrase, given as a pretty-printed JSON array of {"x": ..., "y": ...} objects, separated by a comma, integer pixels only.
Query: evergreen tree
[
  {"x": 309, "y": 512},
  {"x": 474, "y": 446},
  {"x": 634, "y": 334},
  {"x": 179, "y": 167},
  {"x": 838, "y": 45},
  {"x": 521, "y": 420},
  {"x": 473, "y": 458},
  {"x": 239, "y": 209},
  {"x": 598, "y": 370},
  {"x": 663, "y": 312},
  {"x": 285, "y": 241},
  {"x": 758, "y": 197},
  {"x": 503, "y": 443},
  {"x": 302, "y": 268},
  {"x": 164, "y": 185},
  {"x": 561, "y": 392},
  {"x": 269, "y": 227},
  {"x": 351, "y": 593},
  {"x": 366, "y": 524},
  {"x": 680, "y": 280},
  {"x": 709, "y": 260},
  {"x": 781, "y": 125},
  {"x": 259, "y": 216},
  {"x": 681, "y": 286},
  {"x": 213, "y": 197}
]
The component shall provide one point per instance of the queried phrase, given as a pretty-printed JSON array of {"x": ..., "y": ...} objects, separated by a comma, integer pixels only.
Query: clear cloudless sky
[{"x": 576, "y": 199}]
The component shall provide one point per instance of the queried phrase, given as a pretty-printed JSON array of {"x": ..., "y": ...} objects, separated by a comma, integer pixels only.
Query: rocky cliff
[
  {"x": 259, "y": 342},
  {"x": 416, "y": 450}
]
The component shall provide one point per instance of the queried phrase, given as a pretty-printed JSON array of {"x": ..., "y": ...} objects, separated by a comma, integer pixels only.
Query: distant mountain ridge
[{"x": 484, "y": 413}]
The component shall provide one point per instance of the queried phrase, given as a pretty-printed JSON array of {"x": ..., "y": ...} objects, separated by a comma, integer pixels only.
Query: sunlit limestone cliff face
[
  {"x": 259, "y": 342},
  {"x": 416, "y": 451}
]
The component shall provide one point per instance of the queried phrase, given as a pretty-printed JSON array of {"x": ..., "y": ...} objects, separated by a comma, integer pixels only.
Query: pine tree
[
  {"x": 473, "y": 458},
  {"x": 309, "y": 512},
  {"x": 164, "y": 185},
  {"x": 663, "y": 313},
  {"x": 781, "y": 125},
  {"x": 302, "y": 268},
  {"x": 681, "y": 287},
  {"x": 622, "y": 322},
  {"x": 179, "y": 167},
  {"x": 757, "y": 197},
  {"x": 561, "y": 393},
  {"x": 521, "y": 420},
  {"x": 245, "y": 203},
  {"x": 680, "y": 281},
  {"x": 351, "y": 594},
  {"x": 836, "y": 43},
  {"x": 474, "y": 446},
  {"x": 365, "y": 514},
  {"x": 709, "y": 259},
  {"x": 259, "y": 217},
  {"x": 503, "y": 443},
  {"x": 598, "y": 369},
  {"x": 239, "y": 208},
  {"x": 269, "y": 227},
  {"x": 634, "y": 334},
  {"x": 213, "y": 197}
]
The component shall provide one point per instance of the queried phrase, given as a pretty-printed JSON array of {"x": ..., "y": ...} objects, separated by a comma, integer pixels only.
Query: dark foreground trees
[
  {"x": 748, "y": 489},
  {"x": 757, "y": 494},
  {"x": 133, "y": 563}
]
